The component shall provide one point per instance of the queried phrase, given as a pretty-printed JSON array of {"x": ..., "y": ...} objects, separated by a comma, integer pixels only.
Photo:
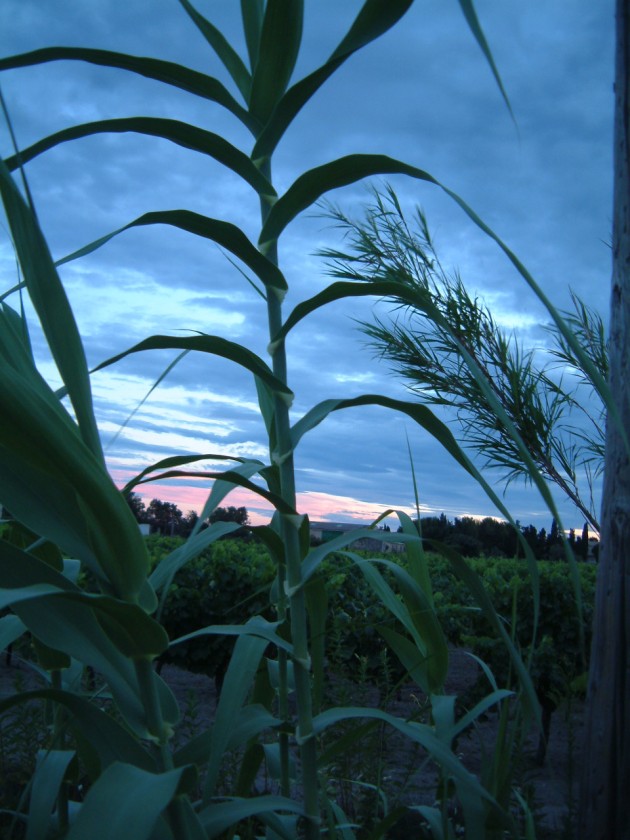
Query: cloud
[{"x": 423, "y": 93}]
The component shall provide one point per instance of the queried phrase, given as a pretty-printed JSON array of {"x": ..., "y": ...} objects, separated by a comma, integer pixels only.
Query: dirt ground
[{"x": 550, "y": 788}]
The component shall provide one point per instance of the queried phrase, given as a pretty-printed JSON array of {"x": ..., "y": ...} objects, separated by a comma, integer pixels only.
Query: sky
[{"x": 423, "y": 93}]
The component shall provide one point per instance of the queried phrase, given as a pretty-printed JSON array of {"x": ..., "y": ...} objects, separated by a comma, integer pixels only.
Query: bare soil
[{"x": 405, "y": 775}]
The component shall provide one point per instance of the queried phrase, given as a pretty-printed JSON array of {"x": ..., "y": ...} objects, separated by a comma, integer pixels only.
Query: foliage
[
  {"x": 60, "y": 489},
  {"x": 430, "y": 344}
]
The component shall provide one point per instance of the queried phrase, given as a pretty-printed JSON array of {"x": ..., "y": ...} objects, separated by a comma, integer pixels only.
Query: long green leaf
[
  {"x": 224, "y": 233},
  {"x": 374, "y": 19},
  {"x": 52, "y": 307},
  {"x": 227, "y": 480},
  {"x": 49, "y": 774},
  {"x": 177, "y": 461},
  {"x": 416, "y": 732},
  {"x": 239, "y": 677},
  {"x": 37, "y": 440},
  {"x": 310, "y": 186},
  {"x": 134, "y": 633},
  {"x": 334, "y": 292},
  {"x": 139, "y": 797},
  {"x": 418, "y": 618},
  {"x": 249, "y": 723},
  {"x": 215, "y": 345},
  {"x": 110, "y": 741},
  {"x": 256, "y": 626},
  {"x": 470, "y": 14},
  {"x": 317, "y": 555},
  {"x": 252, "y": 13},
  {"x": 222, "y": 47},
  {"x": 152, "y": 68},
  {"x": 183, "y": 134},
  {"x": 278, "y": 50}
]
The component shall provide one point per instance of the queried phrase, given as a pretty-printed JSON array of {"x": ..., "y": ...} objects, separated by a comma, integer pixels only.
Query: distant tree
[
  {"x": 232, "y": 514},
  {"x": 137, "y": 507},
  {"x": 188, "y": 523},
  {"x": 165, "y": 518}
]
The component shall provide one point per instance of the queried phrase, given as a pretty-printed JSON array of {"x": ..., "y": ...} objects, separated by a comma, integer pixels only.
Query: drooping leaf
[
  {"x": 224, "y": 233},
  {"x": 249, "y": 723},
  {"x": 215, "y": 345},
  {"x": 152, "y": 68},
  {"x": 470, "y": 14},
  {"x": 176, "y": 461},
  {"x": 183, "y": 134},
  {"x": 194, "y": 545}
]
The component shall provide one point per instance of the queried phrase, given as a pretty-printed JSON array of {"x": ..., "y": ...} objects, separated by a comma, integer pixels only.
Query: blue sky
[{"x": 423, "y": 94}]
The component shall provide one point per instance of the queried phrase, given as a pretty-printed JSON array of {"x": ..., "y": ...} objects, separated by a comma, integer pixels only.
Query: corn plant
[{"x": 54, "y": 480}]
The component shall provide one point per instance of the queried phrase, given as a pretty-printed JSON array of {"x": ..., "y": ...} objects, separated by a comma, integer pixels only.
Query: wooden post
[{"x": 604, "y": 810}]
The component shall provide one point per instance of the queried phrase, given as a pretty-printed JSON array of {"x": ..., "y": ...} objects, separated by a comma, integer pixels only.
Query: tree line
[
  {"x": 495, "y": 538},
  {"x": 167, "y": 519}
]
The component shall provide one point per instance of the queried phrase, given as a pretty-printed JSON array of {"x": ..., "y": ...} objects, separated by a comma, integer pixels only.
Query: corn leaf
[
  {"x": 374, "y": 19},
  {"x": 224, "y": 233},
  {"x": 416, "y": 732},
  {"x": 176, "y": 461},
  {"x": 249, "y": 723},
  {"x": 110, "y": 740},
  {"x": 128, "y": 787},
  {"x": 252, "y": 13},
  {"x": 239, "y": 677},
  {"x": 418, "y": 618},
  {"x": 222, "y": 47},
  {"x": 50, "y": 771},
  {"x": 52, "y": 307},
  {"x": 151, "y": 68},
  {"x": 39, "y": 443},
  {"x": 183, "y": 134},
  {"x": 279, "y": 45},
  {"x": 468, "y": 8}
]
